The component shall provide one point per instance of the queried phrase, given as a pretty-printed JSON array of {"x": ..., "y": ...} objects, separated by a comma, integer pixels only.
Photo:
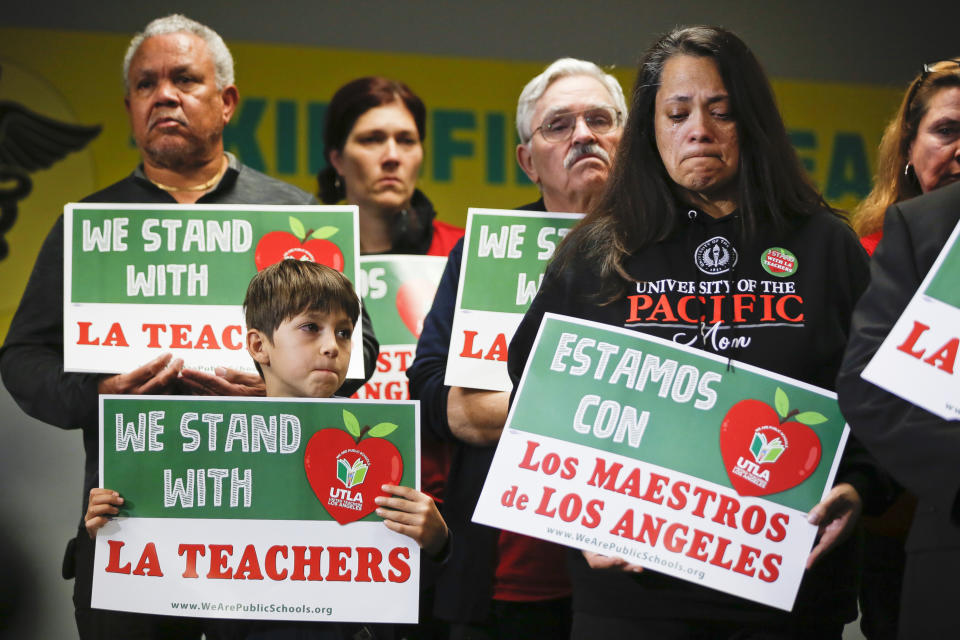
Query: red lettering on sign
[
  {"x": 399, "y": 561},
  {"x": 190, "y": 571},
  {"x": 303, "y": 560},
  {"x": 368, "y": 565},
  {"x": 219, "y": 554},
  {"x": 113, "y": 563},
  {"x": 271, "y": 564},
  {"x": 337, "y": 571},
  {"x": 249, "y": 567},
  {"x": 149, "y": 564},
  {"x": 84, "y": 328}
]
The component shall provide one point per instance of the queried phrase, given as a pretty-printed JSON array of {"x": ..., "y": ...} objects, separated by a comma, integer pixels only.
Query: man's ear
[
  {"x": 256, "y": 347},
  {"x": 525, "y": 160},
  {"x": 230, "y": 97}
]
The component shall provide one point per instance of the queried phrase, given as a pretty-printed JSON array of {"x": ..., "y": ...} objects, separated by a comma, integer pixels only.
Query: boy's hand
[
  {"x": 226, "y": 382},
  {"x": 414, "y": 514},
  {"x": 102, "y": 504}
]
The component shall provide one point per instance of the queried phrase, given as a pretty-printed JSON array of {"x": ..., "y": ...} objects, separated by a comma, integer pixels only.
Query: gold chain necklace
[{"x": 199, "y": 187}]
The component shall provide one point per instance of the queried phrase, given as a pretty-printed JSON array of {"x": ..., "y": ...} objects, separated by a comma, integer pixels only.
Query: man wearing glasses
[
  {"x": 498, "y": 584},
  {"x": 570, "y": 118}
]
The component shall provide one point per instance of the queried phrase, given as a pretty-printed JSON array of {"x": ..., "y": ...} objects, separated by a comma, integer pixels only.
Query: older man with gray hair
[
  {"x": 578, "y": 112},
  {"x": 179, "y": 95},
  {"x": 497, "y": 584}
]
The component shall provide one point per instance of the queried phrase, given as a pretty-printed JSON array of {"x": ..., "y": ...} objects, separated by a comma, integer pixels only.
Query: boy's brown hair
[{"x": 290, "y": 287}]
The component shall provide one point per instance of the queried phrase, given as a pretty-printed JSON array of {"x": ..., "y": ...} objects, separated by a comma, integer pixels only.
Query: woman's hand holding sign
[
  {"x": 837, "y": 514},
  {"x": 600, "y": 561}
]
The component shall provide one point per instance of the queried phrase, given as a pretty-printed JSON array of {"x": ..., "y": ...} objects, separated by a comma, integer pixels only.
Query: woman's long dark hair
[
  {"x": 350, "y": 102},
  {"x": 638, "y": 205}
]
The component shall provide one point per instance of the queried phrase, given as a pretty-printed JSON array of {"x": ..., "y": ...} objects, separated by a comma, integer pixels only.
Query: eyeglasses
[
  {"x": 928, "y": 68},
  {"x": 560, "y": 126}
]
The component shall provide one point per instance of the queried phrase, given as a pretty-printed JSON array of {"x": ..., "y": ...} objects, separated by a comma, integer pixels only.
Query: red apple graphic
[
  {"x": 763, "y": 450},
  {"x": 345, "y": 473},
  {"x": 414, "y": 298},
  {"x": 302, "y": 244}
]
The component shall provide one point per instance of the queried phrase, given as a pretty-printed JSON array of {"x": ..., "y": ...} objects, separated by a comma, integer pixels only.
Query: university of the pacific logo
[{"x": 716, "y": 255}]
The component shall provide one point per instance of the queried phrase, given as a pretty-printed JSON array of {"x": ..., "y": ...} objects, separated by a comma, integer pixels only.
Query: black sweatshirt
[{"x": 791, "y": 318}]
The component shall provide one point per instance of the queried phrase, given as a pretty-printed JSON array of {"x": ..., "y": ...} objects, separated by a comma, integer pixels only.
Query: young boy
[{"x": 300, "y": 318}]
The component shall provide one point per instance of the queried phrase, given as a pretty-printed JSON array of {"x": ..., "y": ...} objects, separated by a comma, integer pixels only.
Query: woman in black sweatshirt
[{"x": 709, "y": 234}]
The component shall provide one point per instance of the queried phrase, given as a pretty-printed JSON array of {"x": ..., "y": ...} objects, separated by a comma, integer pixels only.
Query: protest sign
[
  {"x": 142, "y": 280},
  {"x": 917, "y": 359},
  {"x": 256, "y": 508},
  {"x": 659, "y": 454},
  {"x": 397, "y": 291},
  {"x": 504, "y": 256}
]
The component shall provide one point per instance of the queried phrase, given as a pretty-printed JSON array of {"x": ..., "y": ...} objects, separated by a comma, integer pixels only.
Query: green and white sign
[
  {"x": 141, "y": 280},
  {"x": 662, "y": 455},
  {"x": 397, "y": 291},
  {"x": 505, "y": 255},
  {"x": 256, "y": 508},
  {"x": 917, "y": 360}
]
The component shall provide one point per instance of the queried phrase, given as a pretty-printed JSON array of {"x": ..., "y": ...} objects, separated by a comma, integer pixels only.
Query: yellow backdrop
[{"x": 75, "y": 77}]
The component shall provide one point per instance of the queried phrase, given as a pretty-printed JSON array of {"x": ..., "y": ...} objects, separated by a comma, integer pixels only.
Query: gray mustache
[{"x": 578, "y": 151}]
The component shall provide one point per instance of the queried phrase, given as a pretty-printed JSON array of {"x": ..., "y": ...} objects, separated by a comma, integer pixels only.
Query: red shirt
[
  {"x": 530, "y": 569},
  {"x": 871, "y": 241},
  {"x": 444, "y": 237},
  {"x": 435, "y": 455}
]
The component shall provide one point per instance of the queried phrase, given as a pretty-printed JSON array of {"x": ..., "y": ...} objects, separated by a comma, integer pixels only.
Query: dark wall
[{"x": 846, "y": 41}]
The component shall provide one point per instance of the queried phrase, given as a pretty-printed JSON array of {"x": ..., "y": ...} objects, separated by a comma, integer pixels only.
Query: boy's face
[{"x": 308, "y": 355}]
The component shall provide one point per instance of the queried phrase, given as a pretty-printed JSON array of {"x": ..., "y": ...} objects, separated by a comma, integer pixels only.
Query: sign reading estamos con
[{"x": 656, "y": 453}]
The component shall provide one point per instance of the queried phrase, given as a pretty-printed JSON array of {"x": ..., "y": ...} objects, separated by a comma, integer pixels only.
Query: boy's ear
[{"x": 256, "y": 347}]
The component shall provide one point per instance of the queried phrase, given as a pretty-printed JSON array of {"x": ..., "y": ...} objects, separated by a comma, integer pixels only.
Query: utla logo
[
  {"x": 352, "y": 474},
  {"x": 337, "y": 462},
  {"x": 764, "y": 451},
  {"x": 301, "y": 244},
  {"x": 768, "y": 450}
]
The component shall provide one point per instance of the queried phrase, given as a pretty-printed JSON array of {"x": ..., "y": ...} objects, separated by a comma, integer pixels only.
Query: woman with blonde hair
[
  {"x": 919, "y": 152},
  {"x": 920, "y": 148}
]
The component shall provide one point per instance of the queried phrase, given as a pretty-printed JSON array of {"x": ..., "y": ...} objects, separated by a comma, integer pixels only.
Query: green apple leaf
[
  {"x": 810, "y": 417},
  {"x": 297, "y": 227},
  {"x": 353, "y": 425},
  {"x": 781, "y": 402},
  {"x": 382, "y": 429},
  {"x": 323, "y": 233}
]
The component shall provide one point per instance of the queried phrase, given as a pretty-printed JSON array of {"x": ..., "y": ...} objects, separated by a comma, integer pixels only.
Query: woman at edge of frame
[
  {"x": 919, "y": 153},
  {"x": 705, "y": 168}
]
